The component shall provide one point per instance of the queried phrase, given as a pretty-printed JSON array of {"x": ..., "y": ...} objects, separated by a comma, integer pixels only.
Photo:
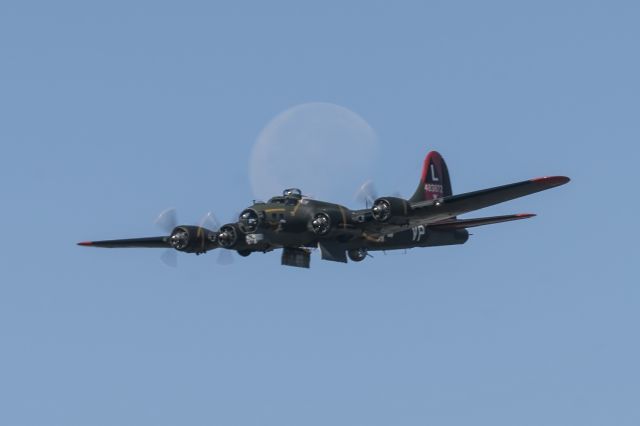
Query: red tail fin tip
[{"x": 434, "y": 181}]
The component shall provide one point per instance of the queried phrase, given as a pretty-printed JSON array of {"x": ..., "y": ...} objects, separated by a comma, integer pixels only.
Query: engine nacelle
[
  {"x": 229, "y": 235},
  {"x": 384, "y": 209},
  {"x": 321, "y": 224},
  {"x": 250, "y": 220},
  {"x": 192, "y": 239}
]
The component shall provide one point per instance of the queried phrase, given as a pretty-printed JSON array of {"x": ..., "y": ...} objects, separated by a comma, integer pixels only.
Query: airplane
[{"x": 298, "y": 224}]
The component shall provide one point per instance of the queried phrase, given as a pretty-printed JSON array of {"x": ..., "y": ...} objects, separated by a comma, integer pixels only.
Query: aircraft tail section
[{"x": 434, "y": 181}]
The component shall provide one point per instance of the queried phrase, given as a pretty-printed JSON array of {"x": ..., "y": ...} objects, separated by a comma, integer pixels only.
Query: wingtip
[
  {"x": 552, "y": 180},
  {"x": 85, "y": 243},
  {"x": 525, "y": 215}
]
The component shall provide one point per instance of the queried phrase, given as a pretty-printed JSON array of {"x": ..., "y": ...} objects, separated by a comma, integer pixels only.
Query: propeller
[
  {"x": 170, "y": 258},
  {"x": 210, "y": 221},
  {"x": 225, "y": 257},
  {"x": 367, "y": 194},
  {"x": 168, "y": 220}
]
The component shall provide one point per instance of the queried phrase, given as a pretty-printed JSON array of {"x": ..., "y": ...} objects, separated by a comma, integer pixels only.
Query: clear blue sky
[{"x": 111, "y": 112}]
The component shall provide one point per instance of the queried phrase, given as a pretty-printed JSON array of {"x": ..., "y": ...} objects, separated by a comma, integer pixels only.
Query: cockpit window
[
  {"x": 290, "y": 197},
  {"x": 292, "y": 193}
]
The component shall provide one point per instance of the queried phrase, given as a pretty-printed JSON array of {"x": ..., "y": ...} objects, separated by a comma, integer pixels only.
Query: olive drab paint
[{"x": 298, "y": 224}]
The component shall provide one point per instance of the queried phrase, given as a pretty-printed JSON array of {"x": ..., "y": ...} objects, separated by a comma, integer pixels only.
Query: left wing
[
  {"x": 453, "y": 205},
  {"x": 441, "y": 209}
]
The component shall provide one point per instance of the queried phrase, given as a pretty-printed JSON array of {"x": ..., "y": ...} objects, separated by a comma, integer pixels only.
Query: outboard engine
[{"x": 192, "y": 239}]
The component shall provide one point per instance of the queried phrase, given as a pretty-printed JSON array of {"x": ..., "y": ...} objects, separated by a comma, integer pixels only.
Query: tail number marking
[{"x": 434, "y": 178}]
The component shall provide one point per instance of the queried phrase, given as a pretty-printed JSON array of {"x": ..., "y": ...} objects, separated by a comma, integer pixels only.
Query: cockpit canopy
[
  {"x": 290, "y": 196},
  {"x": 292, "y": 193}
]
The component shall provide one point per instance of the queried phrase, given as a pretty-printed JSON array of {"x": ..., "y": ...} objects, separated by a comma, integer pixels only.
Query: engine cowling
[
  {"x": 321, "y": 224},
  {"x": 384, "y": 209},
  {"x": 192, "y": 239},
  {"x": 229, "y": 235},
  {"x": 249, "y": 221}
]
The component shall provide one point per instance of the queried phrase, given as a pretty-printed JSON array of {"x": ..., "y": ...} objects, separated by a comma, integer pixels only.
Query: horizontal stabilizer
[{"x": 480, "y": 221}]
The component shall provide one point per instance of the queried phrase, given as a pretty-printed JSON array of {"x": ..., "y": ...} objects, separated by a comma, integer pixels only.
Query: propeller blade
[
  {"x": 366, "y": 194},
  {"x": 225, "y": 257},
  {"x": 210, "y": 221},
  {"x": 170, "y": 258},
  {"x": 167, "y": 220}
]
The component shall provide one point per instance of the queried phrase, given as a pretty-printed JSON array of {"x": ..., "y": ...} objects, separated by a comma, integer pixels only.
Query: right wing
[{"x": 149, "y": 242}]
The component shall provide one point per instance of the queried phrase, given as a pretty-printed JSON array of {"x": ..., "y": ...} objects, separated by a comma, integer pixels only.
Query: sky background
[{"x": 112, "y": 111}]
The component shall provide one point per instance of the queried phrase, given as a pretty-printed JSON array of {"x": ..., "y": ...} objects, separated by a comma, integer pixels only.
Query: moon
[{"x": 324, "y": 149}]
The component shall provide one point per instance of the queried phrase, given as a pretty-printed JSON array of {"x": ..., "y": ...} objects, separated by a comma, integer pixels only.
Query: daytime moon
[{"x": 324, "y": 149}]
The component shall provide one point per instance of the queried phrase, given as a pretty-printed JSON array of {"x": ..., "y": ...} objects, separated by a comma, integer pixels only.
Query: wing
[
  {"x": 440, "y": 209},
  {"x": 480, "y": 221},
  {"x": 149, "y": 242},
  {"x": 454, "y": 205}
]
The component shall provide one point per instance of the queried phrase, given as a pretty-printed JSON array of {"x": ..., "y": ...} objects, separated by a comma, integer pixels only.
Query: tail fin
[{"x": 435, "y": 182}]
